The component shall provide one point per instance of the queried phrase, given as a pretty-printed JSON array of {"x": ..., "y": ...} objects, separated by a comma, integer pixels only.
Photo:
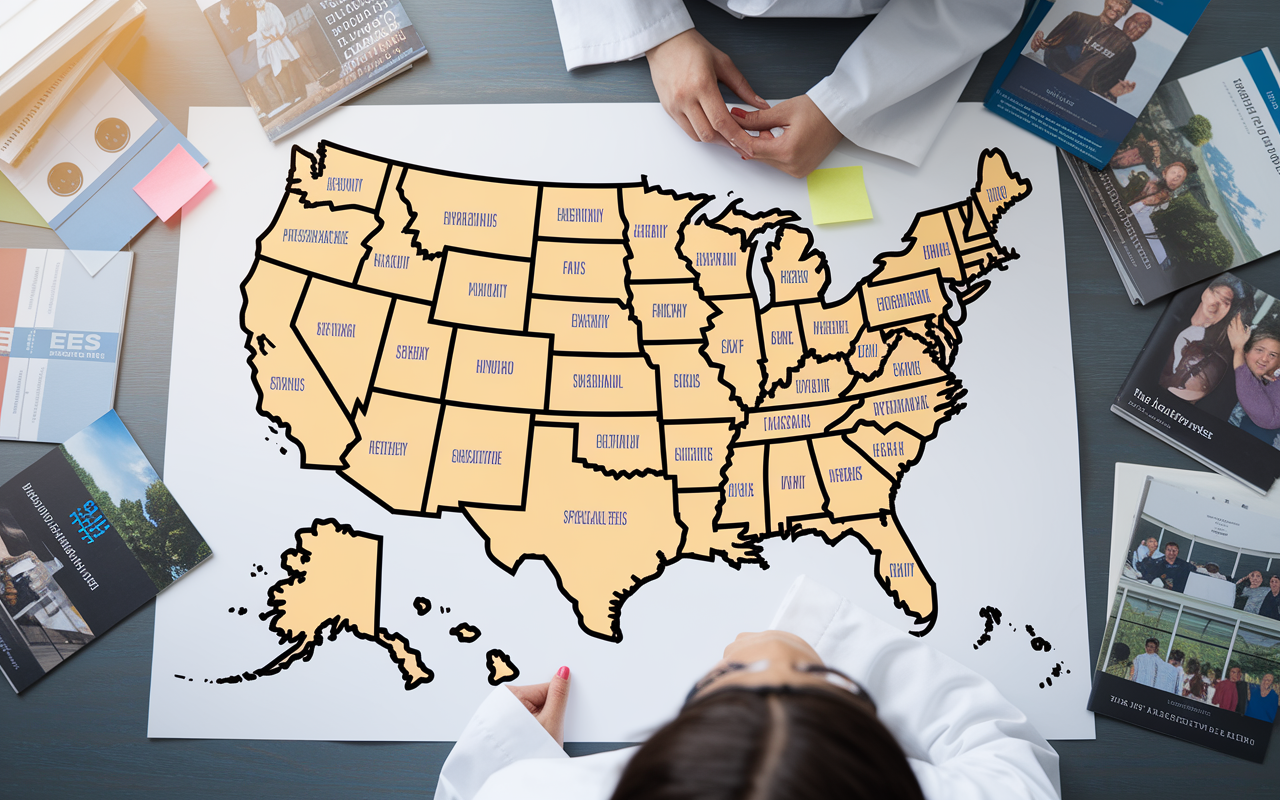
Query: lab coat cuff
[
  {"x": 629, "y": 44},
  {"x": 501, "y": 732}
]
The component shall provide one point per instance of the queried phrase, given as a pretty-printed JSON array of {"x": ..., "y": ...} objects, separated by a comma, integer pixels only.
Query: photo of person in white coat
[
  {"x": 891, "y": 92},
  {"x": 276, "y": 49},
  {"x": 829, "y": 702}
]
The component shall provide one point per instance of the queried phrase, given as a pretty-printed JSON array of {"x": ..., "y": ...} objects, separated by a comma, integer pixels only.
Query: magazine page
[
  {"x": 1192, "y": 644},
  {"x": 1194, "y": 188},
  {"x": 87, "y": 535},
  {"x": 297, "y": 59},
  {"x": 1206, "y": 381},
  {"x": 1081, "y": 71}
]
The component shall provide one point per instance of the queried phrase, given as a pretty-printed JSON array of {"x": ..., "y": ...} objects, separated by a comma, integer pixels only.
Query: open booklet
[{"x": 1192, "y": 643}]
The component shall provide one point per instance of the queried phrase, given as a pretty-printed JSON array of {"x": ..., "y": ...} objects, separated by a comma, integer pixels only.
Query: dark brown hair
[{"x": 769, "y": 744}]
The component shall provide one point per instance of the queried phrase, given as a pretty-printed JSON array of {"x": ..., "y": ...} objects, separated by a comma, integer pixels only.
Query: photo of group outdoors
[
  {"x": 1197, "y": 613},
  {"x": 1225, "y": 355},
  {"x": 1112, "y": 48}
]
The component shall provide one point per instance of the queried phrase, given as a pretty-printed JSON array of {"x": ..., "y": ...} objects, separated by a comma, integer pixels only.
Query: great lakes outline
[{"x": 586, "y": 372}]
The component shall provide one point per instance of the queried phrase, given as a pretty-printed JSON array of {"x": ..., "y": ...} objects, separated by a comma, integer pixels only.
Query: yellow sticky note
[
  {"x": 838, "y": 195},
  {"x": 15, "y": 208}
]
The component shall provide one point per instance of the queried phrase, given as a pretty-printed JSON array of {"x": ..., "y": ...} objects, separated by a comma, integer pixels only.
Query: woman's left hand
[
  {"x": 546, "y": 702},
  {"x": 808, "y": 138},
  {"x": 1237, "y": 333}
]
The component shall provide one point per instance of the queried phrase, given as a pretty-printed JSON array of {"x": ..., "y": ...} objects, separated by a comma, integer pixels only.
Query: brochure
[
  {"x": 1206, "y": 380},
  {"x": 60, "y": 331},
  {"x": 1081, "y": 71},
  {"x": 87, "y": 535},
  {"x": 1194, "y": 189},
  {"x": 1192, "y": 643},
  {"x": 298, "y": 59}
]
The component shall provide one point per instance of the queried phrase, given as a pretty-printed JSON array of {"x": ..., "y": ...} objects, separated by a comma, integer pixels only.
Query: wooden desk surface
[{"x": 83, "y": 730}]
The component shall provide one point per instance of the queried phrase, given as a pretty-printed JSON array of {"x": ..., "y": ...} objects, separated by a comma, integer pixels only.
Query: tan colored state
[
  {"x": 614, "y": 385},
  {"x": 503, "y": 370},
  {"x": 743, "y": 491},
  {"x": 854, "y": 487},
  {"x": 912, "y": 298},
  {"x": 343, "y": 328},
  {"x": 583, "y": 327},
  {"x": 931, "y": 251},
  {"x": 500, "y": 667},
  {"x": 597, "y": 564},
  {"x": 908, "y": 363},
  {"x": 998, "y": 188},
  {"x": 393, "y": 456},
  {"x": 394, "y": 264},
  {"x": 318, "y": 240},
  {"x": 896, "y": 567},
  {"x": 619, "y": 444},
  {"x": 651, "y": 211},
  {"x": 347, "y": 179},
  {"x": 484, "y": 292},
  {"x": 793, "y": 485},
  {"x": 333, "y": 583},
  {"x": 814, "y": 382},
  {"x": 469, "y": 437},
  {"x": 669, "y": 311},
  {"x": 288, "y": 381},
  {"x": 892, "y": 451},
  {"x": 796, "y": 271},
  {"x": 416, "y": 352},
  {"x": 689, "y": 386},
  {"x": 572, "y": 212},
  {"x": 868, "y": 353},
  {"x": 919, "y": 409},
  {"x": 783, "y": 344},
  {"x": 411, "y": 667},
  {"x": 580, "y": 269},
  {"x": 704, "y": 540},
  {"x": 734, "y": 343},
  {"x": 798, "y": 421},
  {"x": 748, "y": 226},
  {"x": 832, "y": 330},
  {"x": 697, "y": 452},
  {"x": 719, "y": 258},
  {"x": 470, "y": 213}
]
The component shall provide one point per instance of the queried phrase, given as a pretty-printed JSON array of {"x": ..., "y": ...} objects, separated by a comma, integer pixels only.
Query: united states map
[{"x": 588, "y": 373}]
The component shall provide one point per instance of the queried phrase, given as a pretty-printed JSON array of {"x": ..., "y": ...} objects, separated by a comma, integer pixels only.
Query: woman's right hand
[
  {"x": 546, "y": 702},
  {"x": 1237, "y": 333}
]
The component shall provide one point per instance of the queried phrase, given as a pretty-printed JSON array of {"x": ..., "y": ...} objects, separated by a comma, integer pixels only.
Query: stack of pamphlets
[
  {"x": 1208, "y": 380},
  {"x": 1194, "y": 189},
  {"x": 299, "y": 59},
  {"x": 87, "y": 535},
  {"x": 1192, "y": 643},
  {"x": 1081, "y": 71}
]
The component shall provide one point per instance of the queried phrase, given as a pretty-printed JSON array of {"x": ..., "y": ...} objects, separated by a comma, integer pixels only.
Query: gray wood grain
[{"x": 83, "y": 730}]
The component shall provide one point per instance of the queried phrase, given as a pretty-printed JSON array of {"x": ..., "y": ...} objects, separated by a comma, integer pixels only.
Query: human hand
[
  {"x": 1122, "y": 88},
  {"x": 546, "y": 702},
  {"x": 807, "y": 139},
  {"x": 1037, "y": 41},
  {"x": 1237, "y": 333},
  {"x": 686, "y": 71}
]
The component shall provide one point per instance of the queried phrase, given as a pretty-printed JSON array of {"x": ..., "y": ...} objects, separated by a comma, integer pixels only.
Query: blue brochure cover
[{"x": 1082, "y": 71}]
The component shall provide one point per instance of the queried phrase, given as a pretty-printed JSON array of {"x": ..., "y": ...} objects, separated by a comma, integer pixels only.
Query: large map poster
[{"x": 488, "y": 414}]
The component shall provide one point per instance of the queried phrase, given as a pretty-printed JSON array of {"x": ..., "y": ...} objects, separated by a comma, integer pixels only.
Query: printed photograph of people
[{"x": 1112, "y": 48}]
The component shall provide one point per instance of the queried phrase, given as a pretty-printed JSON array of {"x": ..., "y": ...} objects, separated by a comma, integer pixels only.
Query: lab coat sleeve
[
  {"x": 604, "y": 31},
  {"x": 964, "y": 741},
  {"x": 897, "y": 83},
  {"x": 501, "y": 732}
]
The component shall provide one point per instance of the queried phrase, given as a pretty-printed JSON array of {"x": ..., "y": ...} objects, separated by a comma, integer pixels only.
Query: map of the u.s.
[{"x": 586, "y": 372}]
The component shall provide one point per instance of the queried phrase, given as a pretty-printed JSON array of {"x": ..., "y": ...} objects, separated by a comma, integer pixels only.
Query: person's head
[
  {"x": 1274, "y": 583},
  {"x": 768, "y": 723},
  {"x": 1174, "y": 175},
  {"x": 1137, "y": 25},
  {"x": 1171, "y": 552},
  {"x": 1175, "y": 658},
  {"x": 1152, "y": 645},
  {"x": 1255, "y": 579},
  {"x": 1192, "y": 667},
  {"x": 1210, "y": 673},
  {"x": 1215, "y": 301},
  {"x": 1113, "y": 10},
  {"x": 1151, "y": 543},
  {"x": 1267, "y": 680},
  {"x": 1211, "y": 568},
  {"x": 1262, "y": 351},
  {"x": 1234, "y": 674}
]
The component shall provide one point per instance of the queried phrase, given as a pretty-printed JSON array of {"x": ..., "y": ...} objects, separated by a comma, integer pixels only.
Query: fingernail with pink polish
[
  {"x": 739, "y": 113},
  {"x": 563, "y": 673}
]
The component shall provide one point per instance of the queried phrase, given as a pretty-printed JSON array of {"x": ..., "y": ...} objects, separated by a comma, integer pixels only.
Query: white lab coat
[
  {"x": 964, "y": 741},
  {"x": 891, "y": 92},
  {"x": 274, "y": 45}
]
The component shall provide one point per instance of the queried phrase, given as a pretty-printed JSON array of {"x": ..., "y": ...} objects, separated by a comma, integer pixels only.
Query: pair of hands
[{"x": 687, "y": 71}]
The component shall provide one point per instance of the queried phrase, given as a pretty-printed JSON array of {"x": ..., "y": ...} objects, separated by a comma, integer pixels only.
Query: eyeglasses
[{"x": 832, "y": 676}]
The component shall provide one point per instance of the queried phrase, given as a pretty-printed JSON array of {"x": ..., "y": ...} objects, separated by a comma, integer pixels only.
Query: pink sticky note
[{"x": 174, "y": 181}]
